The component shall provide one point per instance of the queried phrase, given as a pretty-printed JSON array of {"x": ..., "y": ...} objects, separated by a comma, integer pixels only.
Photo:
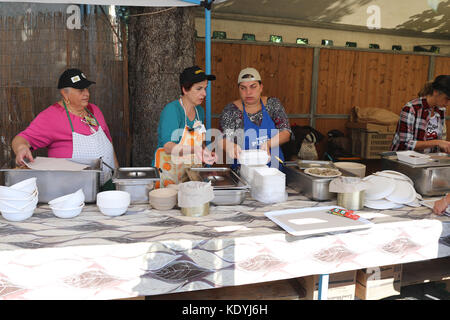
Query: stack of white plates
[
  {"x": 18, "y": 201},
  {"x": 390, "y": 190}
]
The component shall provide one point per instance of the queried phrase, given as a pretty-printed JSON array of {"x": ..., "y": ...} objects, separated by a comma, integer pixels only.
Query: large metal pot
[{"x": 351, "y": 200}]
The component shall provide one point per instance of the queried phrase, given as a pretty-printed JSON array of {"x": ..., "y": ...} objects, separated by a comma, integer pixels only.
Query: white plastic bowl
[
  {"x": 66, "y": 213},
  {"x": 28, "y": 185},
  {"x": 17, "y": 215},
  {"x": 21, "y": 202},
  {"x": 69, "y": 201},
  {"x": 113, "y": 199},
  {"x": 10, "y": 193},
  {"x": 113, "y": 212},
  {"x": 11, "y": 205}
]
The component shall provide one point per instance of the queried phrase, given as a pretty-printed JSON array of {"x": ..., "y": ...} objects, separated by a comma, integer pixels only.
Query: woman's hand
[
  {"x": 233, "y": 150},
  {"x": 265, "y": 146},
  {"x": 444, "y": 146},
  {"x": 440, "y": 206},
  {"x": 205, "y": 155},
  {"x": 21, "y": 148}
]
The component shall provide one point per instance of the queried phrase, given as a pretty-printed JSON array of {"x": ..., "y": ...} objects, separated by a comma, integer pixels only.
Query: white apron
[{"x": 94, "y": 146}]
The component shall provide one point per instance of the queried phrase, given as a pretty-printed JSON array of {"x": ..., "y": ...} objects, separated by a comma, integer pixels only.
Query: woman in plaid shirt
[{"x": 422, "y": 120}]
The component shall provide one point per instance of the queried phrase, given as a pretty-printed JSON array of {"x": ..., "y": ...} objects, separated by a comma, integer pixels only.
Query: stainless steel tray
[
  {"x": 315, "y": 188},
  {"x": 220, "y": 177},
  {"x": 55, "y": 183},
  {"x": 137, "y": 181},
  {"x": 432, "y": 179},
  {"x": 227, "y": 197},
  {"x": 229, "y": 188},
  {"x": 305, "y": 164}
]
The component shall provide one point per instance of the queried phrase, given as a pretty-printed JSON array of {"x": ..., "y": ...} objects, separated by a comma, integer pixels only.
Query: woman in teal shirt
[{"x": 181, "y": 133}]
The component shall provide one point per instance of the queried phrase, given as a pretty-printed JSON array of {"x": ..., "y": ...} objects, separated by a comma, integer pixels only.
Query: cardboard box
[
  {"x": 341, "y": 286},
  {"x": 379, "y": 282},
  {"x": 372, "y": 127}
]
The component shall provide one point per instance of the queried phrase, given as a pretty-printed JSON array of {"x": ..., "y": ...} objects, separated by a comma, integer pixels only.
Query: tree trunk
[{"x": 160, "y": 46}]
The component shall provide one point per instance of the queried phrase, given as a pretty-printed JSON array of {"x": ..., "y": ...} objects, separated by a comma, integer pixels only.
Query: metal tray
[
  {"x": 137, "y": 181},
  {"x": 56, "y": 183},
  {"x": 305, "y": 164},
  {"x": 229, "y": 189},
  {"x": 227, "y": 197},
  {"x": 220, "y": 177},
  {"x": 312, "y": 187},
  {"x": 432, "y": 179}
]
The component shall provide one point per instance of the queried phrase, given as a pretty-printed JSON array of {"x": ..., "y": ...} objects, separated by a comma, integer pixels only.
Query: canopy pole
[{"x": 208, "y": 62}]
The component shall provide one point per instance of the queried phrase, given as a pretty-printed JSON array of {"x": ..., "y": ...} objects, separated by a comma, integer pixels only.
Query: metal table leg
[{"x": 323, "y": 286}]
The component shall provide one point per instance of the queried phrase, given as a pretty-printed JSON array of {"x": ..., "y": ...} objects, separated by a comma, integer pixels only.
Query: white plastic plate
[
  {"x": 394, "y": 175},
  {"x": 381, "y": 204},
  {"x": 380, "y": 187},
  {"x": 404, "y": 192}
]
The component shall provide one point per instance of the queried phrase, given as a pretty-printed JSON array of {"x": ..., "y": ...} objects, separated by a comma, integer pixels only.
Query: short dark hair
[
  {"x": 441, "y": 83},
  {"x": 187, "y": 86}
]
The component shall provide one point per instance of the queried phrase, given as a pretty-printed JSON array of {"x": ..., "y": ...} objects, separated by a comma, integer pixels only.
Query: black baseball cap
[
  {"x": 195, "y": 74},
  {"x": 73, "y": 78}
]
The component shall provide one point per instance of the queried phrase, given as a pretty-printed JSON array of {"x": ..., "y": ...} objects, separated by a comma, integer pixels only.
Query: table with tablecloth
[{"x": 149, "y": 252}]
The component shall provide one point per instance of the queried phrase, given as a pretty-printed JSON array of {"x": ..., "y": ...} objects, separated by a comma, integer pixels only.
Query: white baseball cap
[{"x": 249, "y": 74}]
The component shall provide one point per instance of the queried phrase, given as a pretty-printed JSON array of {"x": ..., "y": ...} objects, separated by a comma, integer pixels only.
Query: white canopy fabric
[{"x": 140, "y": 3}]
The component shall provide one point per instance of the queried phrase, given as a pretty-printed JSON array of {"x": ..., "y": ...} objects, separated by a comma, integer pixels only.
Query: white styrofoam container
[
  {"x": 269, "y": 185},
  {"x": 247, "y": 172},
  {"x": 413, "y": 157}
]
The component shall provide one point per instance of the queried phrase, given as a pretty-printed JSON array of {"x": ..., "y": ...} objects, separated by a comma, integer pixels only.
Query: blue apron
[{"x": 263, "y": 133}]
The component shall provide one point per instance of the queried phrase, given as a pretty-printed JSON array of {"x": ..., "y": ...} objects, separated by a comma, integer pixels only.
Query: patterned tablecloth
[{"x": 148, "y": 252}]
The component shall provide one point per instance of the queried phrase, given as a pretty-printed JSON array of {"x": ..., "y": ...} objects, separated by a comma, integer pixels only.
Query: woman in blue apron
[{"x": 254, "y": 121}]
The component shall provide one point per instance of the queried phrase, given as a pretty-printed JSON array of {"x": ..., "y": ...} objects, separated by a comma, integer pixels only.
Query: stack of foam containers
[
  {"x": 247, "y": 171},
  {"x": 268, "y": 185}
]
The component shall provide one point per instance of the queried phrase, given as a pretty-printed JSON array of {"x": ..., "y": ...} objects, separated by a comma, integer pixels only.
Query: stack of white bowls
[
  {"x": 390, "y": 190},
  {"x": 69, "y": 205},
  {"x": 18, "y": 201}
]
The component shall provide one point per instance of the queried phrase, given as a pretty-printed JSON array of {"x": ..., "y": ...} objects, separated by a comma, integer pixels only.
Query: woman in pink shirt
[{"x": 72, "y": 128}]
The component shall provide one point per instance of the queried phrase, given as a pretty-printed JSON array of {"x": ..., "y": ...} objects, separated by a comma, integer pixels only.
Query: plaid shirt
[{"x": 413, "y": 122}]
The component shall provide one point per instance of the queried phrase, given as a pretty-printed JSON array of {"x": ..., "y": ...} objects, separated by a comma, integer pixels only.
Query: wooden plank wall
[
  {"x": 346, "y": 78},
  {"x": 286, "y": 74}
]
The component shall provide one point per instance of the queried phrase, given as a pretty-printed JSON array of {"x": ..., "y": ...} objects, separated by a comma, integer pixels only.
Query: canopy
[
  {"x": 140, "y": 3},
  {"x": 160, "y": 3}
]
